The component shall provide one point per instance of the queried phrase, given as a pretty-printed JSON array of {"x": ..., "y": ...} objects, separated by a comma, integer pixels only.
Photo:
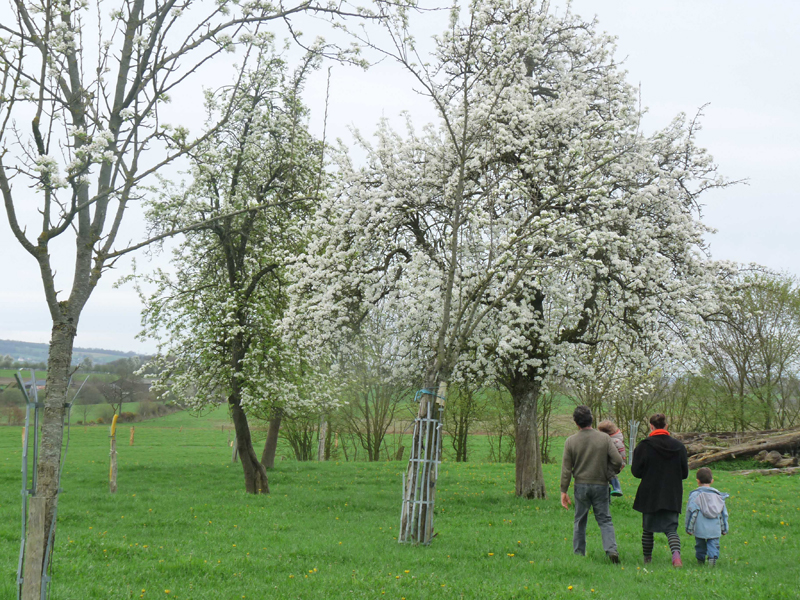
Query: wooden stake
[
  {"x": 112, "y": 470},
  {"x": 132, "y": 436},
  {"x": 34, "y": 551}
]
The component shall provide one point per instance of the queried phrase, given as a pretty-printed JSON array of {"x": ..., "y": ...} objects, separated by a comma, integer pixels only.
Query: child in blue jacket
[{"x": 706, "y": 517}]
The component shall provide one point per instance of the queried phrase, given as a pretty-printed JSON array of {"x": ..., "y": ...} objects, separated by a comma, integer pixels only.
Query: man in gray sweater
[{"x": 589, "y": 456}]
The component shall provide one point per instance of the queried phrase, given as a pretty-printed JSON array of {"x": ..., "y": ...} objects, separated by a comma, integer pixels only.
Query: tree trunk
[
  {"x": 529, "y": 476},
  {"x": 271, "y": 444},
  {"x": 323, "y": 433},
  {"x": 255, "y": 475},
  {"x": 49, "y": 462},
  {"x": 328, "y": 442}
]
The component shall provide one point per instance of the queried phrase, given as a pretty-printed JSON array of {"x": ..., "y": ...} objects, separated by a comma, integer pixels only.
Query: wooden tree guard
[
  {"x": 112, "y": 470},
  {"x": 419, "y": 482}
]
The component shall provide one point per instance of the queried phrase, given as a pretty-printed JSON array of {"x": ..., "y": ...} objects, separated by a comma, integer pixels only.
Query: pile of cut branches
[{"x": 768, "y": 446}]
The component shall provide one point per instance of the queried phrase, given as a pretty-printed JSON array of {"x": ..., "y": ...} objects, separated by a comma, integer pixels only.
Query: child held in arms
[
  {"x": 610, "y": 428},
  {"x": 706, "y": 517}
]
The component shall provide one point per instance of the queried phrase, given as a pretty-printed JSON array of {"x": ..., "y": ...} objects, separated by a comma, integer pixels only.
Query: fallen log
[
  {"x": 788, "y": 471},
  {"x": 694, "y": 449},
  {"x": 782, "y": 443},
  {"x": 694, "y": 437}
]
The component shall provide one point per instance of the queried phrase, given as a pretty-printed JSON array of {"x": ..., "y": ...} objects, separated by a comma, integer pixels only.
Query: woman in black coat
[{"x": 660, "y": 462}]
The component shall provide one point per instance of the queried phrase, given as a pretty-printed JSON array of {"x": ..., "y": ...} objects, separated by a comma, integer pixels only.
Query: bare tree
[
  {"x": 753, "y": 355},
  {"x": 466, "y": 405}
]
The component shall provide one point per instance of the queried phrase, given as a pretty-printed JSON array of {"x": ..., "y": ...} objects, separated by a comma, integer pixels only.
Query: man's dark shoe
[
  {"x": 648, "y": 560},
  {"x": 613, "y": 557}
]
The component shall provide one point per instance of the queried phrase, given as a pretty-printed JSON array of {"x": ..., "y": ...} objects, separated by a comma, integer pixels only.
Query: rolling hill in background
[{"x": 31, "y": 352}]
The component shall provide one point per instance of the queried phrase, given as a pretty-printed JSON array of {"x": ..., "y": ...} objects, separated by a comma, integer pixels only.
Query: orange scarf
[{"x": 658, "y": 432}]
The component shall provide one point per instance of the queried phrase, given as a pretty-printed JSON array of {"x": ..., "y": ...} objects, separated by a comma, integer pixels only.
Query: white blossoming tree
[
  {"x": 254, "y": 185},
  {"x": 81, "y": 131},
  {"x": 627, "y": 266},
  {"x": 535, "y": 206}
]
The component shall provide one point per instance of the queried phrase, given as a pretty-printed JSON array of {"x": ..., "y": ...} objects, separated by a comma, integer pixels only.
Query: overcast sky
[{"x": 738, "y": 57}]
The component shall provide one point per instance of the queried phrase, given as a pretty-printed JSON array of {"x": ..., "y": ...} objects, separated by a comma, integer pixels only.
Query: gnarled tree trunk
[
  {"x": 271, "y": 443},
  {"x": 255, "y": 475},
  {"x": 529, "y": 476}
]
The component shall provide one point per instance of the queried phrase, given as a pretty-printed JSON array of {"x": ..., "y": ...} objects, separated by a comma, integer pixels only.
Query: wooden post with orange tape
[{"x": 112, "y": 470}]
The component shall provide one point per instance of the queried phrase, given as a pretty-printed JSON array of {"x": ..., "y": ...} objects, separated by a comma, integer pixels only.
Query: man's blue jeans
[
  {"x": 588, "y": 495},
  {"x": 706, "y": 547}
]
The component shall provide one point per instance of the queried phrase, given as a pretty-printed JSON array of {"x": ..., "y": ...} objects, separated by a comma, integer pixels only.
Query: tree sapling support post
[{"x": 112, "y": 469}]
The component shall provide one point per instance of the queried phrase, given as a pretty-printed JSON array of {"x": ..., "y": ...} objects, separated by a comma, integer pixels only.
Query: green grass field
[{"x": 181, "y": 527}]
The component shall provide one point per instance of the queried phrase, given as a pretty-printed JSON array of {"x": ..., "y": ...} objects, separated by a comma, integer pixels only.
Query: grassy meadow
[{"x": 180, "y": 527}]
